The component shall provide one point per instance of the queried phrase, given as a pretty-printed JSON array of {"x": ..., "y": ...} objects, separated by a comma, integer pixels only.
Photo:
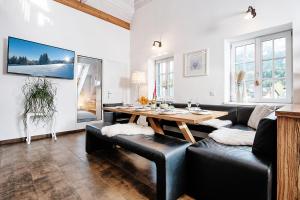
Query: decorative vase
[
  {"x": 239, "y": 92},
  {"x": 244, "y": 94}
]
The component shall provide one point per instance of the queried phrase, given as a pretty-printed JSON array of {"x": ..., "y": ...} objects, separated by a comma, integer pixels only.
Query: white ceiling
[
  {"x": 123, "y": 9},
  {"x": 140, "y": 3}
]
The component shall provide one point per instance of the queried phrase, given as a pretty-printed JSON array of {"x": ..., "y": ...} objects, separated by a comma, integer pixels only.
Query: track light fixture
[
  {"x": 251, "y": 13},
  {"x": 156, "y": 44}
]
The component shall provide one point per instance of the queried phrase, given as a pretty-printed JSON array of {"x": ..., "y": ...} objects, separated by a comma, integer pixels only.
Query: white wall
[
  {"x": 192, "y": 25},
  {"x": 48, "y": 22}
]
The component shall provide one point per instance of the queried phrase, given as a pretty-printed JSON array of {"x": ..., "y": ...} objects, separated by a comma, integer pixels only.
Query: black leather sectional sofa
[{"x": 217, "y": 171}]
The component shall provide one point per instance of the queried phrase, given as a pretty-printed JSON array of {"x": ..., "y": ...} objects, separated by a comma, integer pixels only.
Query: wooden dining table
[{"x": 181, "y": 119}]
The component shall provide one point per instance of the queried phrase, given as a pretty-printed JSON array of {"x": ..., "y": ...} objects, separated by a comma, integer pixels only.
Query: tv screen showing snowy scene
[{"x": 40, "y": 60}]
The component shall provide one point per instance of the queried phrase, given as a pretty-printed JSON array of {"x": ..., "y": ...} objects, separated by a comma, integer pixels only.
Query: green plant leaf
[{"x": 39, "y": 96}]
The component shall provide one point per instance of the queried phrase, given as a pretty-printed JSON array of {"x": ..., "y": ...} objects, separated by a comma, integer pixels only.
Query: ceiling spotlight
[
  {"x": 251, "y": 13},
  {"x": 156, "y": 44}
]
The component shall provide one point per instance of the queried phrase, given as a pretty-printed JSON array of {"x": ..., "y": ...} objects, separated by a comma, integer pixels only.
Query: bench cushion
[{"x": 149, "y": 146}]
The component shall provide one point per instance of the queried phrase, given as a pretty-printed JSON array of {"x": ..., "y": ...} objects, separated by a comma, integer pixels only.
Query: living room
[{"x": 173, "y": 84}]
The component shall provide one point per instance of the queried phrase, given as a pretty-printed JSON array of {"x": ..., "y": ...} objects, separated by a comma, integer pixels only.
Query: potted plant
[{"x": 39, "y": 100}]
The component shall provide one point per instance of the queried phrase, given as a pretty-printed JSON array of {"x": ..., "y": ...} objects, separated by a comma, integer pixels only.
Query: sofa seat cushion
[
  {"x": 242, "y": 127},
  {"x": 240, "y": 154},
  {"x": 218, "y": 171}
]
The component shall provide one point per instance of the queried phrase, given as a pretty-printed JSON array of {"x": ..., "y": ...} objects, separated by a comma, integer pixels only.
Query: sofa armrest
[{"x": 265, "y": 141}]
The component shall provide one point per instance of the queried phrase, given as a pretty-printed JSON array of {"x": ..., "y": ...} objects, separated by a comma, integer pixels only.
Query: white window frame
[
  {"x": 162, "y": 60},
  {"x": 258, "y": 67}
]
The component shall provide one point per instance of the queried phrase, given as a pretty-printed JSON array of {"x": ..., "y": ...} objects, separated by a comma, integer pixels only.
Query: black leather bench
[{"x": 167, "y": 152}]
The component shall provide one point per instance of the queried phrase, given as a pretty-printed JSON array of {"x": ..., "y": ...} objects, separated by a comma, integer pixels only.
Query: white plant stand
[{"x": 51, "y": 126}]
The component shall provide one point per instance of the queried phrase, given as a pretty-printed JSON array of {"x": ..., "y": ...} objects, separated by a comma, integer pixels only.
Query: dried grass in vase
[{"x": 240, "y": 77}]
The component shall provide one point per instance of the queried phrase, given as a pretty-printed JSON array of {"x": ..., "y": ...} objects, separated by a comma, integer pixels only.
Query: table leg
[
  {"x": 155, "y": 125},
  {"x": 186, "y": 132},
  {"x": 133, "y": 118}
]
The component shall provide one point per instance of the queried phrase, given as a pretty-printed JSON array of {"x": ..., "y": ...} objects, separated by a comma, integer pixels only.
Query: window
[
  {"x": 267, "y": 63},
  {"x": 165, "y": 78}
]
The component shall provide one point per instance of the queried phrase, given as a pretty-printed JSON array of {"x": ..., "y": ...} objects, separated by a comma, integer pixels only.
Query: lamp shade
[{"x": 138, "y": 77}]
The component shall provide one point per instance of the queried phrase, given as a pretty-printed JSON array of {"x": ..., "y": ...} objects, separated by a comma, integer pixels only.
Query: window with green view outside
[
  {"x": 267, "y": 63},
  {"x": 164, "y": 74}
]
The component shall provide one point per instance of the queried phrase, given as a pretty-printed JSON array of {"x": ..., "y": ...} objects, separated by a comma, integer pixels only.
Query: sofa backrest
[
  {"x": 112, "y": 104},
  {"x": 113, "y": 117},
  {"x": 243, "y": 114},
  {"x": 180, "y": 105},
  {"x": 231, "y": 109}
]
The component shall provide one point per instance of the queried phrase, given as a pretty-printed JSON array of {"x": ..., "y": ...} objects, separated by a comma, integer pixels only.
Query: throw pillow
[
  {"x": 230, "y": 136},
  {"x": 259, "y": 112}
]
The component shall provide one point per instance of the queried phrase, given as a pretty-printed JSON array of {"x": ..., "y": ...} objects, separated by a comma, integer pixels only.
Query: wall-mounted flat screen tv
[{"x": 40, "y": 60}]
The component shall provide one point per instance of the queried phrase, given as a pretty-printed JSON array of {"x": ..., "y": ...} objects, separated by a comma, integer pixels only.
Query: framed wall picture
[{"x": 195, "y": 63}]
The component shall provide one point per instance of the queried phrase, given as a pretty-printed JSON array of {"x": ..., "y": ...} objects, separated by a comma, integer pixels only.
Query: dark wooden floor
[{"x": 62, "y": 170}]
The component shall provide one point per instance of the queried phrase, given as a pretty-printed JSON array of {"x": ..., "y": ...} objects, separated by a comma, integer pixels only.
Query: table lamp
[{"x": 138, "y": 78}]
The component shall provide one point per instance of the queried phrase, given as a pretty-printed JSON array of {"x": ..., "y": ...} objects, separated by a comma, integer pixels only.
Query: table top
[
  {"x": 292, "y": 110},
  {"x": 187, "y": 118}
]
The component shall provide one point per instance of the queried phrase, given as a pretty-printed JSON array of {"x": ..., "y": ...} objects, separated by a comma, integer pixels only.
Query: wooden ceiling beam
[{"x": 95, "y": 12}]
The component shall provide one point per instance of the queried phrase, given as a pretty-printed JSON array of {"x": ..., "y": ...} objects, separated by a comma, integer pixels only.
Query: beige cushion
[
  {"x": 259, "y": 112},
  {"x": 216, "y": 123}
]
